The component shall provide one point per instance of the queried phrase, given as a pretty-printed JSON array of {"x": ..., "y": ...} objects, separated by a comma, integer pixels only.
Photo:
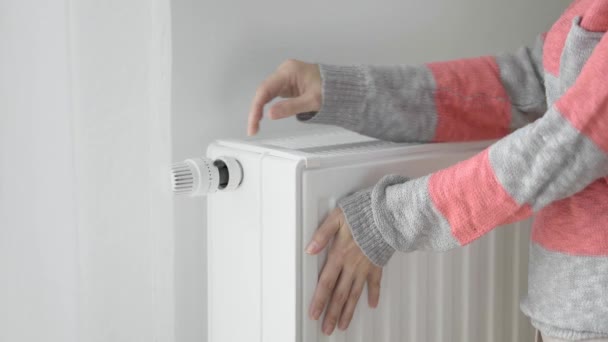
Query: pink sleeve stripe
[
  {"x": 470, "y": 99},
  {"x": 553, "y": 228},
  {"x": 472, "y": 199},
  {"x": 585, "y": 104},
  {"x": 556, "y": 39},
  {"x": 596, "y": 17}
]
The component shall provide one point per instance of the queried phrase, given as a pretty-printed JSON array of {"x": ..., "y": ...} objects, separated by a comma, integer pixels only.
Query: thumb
[
  {"x": 326, "y": 231},
  {"x": 301, "y": 104}
]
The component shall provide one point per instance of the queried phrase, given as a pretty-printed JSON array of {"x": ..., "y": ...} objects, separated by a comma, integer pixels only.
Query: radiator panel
[
  {"x": 468, "y": 294},
  {"x": 261, "y": 282}
]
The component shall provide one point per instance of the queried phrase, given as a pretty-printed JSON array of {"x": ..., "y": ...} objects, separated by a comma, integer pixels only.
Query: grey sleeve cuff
[
  {"x": 357, "y": 209},
  {"x": 343, "y": 97}
]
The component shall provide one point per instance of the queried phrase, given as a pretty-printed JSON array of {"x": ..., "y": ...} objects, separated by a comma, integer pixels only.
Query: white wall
[
  {"x": 223, "y": 49},
  {"x": 120, "y": 69},
  {"x": 86, "y": 229},
  {"x": 38, "y": 267}
]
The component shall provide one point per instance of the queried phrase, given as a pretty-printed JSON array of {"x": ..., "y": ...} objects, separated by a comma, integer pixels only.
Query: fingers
[
  {"x": 293, "y": 79},
  {"x": 267, "y": 91},
  {"x": 373, "y": 286},
  {"x": 287, "y": 108},
  {"x": 324, "y": 233},
  {"x": 338, "y": 299},
  {"x": 325, "y": 287},
  {"x": 351, "y": 303},
  {"x": 344, "y": 275}
]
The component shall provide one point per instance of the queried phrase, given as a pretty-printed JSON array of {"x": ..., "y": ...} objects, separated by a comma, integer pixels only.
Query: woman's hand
[
  {"x": 344, "y": 275},
  {"x": 299, "y": 81}
]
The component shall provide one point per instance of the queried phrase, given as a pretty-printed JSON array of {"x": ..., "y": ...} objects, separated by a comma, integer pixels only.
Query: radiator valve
[{"x": 202, "y": 176}]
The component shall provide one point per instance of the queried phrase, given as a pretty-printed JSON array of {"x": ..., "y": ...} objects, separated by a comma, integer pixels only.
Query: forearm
[
  {"x": 471, "y": 99},
  {"x": 506, "y": 183},
  {"x": 551, "y": 159}
]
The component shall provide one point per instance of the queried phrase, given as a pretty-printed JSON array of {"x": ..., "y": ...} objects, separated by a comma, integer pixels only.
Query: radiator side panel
[
  {"x": 234, "y": 255},
  {"x": 279, "y": 203}
]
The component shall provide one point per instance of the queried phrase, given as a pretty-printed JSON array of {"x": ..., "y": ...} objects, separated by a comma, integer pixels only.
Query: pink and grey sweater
[{"x": 549, "y": 104}]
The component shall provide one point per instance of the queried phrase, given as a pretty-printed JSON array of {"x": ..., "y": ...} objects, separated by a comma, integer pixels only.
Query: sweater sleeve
[
  {"x": 548, "y": 160},
  {"x": 463, "y": 100}
]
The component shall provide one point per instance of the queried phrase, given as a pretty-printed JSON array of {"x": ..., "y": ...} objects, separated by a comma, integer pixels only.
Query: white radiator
[{"x": 261, "y": 281}]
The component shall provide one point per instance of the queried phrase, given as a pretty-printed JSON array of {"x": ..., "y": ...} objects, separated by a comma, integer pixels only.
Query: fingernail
[
  {"x": 316, "y": 314},
  {"x": 327, "y": 330},
  {"x": 312, "y": 247}
]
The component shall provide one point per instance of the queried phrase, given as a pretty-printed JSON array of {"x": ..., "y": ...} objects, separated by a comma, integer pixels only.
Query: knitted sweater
[{"x": 549, "y": 104}]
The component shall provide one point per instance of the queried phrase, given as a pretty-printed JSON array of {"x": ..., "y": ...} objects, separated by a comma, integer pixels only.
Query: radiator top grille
[{"x": 327, "y": 142}]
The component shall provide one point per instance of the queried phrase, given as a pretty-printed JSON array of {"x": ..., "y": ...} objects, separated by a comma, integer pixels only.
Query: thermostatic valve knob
[{"x": 202, "y": 176}]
